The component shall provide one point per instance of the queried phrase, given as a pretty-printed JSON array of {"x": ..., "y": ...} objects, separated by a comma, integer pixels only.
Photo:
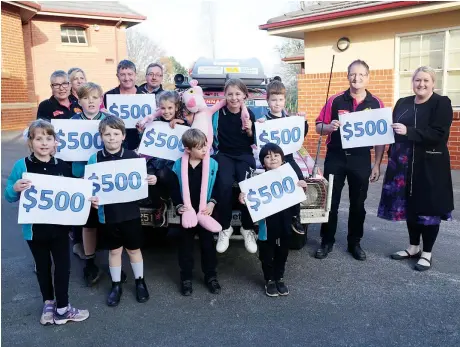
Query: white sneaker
[
  {"x": 224, "y": 240},
  {"x": 249, "y": 237}
]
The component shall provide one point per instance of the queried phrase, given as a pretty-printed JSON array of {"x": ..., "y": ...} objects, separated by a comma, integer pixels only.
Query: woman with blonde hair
[
  {"x": 418, "y": 183},
  {"x": 77, "y": 78}
]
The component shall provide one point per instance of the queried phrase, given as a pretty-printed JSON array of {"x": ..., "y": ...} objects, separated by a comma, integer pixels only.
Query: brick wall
[
  {"x": 16, "y": 108},
  {"x": 312, "y": 97}
]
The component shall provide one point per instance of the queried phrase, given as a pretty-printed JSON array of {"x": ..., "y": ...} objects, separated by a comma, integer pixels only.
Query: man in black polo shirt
[
  {"x": 126, "y": 74},
  {"x": 59, "y": 105},
  {"x": 153, "y": 78},
  {"x": 353, "y": 164}
]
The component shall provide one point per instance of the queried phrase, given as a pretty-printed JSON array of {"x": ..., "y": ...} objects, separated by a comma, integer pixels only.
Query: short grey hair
[
  {"x": 154, "y": 65},
  {"x": 58, "y": 73},
  {"x": 126, "y": 64},
  {"x": 358, "y": 62}
]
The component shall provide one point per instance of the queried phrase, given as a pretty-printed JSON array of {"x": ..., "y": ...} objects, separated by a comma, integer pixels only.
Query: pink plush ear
[{"x": 193, "y": 83}]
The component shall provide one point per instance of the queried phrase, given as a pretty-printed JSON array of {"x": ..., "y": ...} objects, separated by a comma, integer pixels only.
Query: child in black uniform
[
  {"x": 48, "y": 243},
  {"x": 275, "y": 230},
  {"x": 194, "y": 141},
  {"x": 122, "y": 221}
]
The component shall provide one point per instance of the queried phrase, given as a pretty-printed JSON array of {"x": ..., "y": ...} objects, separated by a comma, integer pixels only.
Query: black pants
[
  {"x": 428, "y": 233},
  {"x": 231, "y": 170},
  {"x": 356, "y": 169},
  {"x": 55, "y": 244},
  {"x": 77, "y": 232},
  {"x": 162, "y": 189},
  {"x": 273, "y": 255},
  {"x": 208, "y": 253}
]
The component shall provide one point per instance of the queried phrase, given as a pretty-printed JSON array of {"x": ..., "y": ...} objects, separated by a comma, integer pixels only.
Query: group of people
[{"x": 417, "y": 185}]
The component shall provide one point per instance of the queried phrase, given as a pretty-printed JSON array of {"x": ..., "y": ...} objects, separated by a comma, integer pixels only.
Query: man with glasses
[
  {"x": 126, "y": 74},
  {"x": 153, "y": 78},
  {"x": 352, "y": 164},
  {"x": 59, "y": 105}
]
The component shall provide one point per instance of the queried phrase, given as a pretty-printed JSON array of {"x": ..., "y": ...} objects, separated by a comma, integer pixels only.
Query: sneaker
[
  {"x": 78, "y": 250},
  {"x": 186, "y": 288},
  {"x": 224, "y": 240},
  {"x": 249, "y": 237},
  {"x": 72, "y": 314},
  {"x": 270, "y": 288},
  {"x": 159, "y": 216},
  {"x": 281, "y": 287},
  {"x": 296, "y": 226},
  {"x": 91, "y": 274},
  {"x": 48, "y": 313},
  {"x": 213, "y": 285}
]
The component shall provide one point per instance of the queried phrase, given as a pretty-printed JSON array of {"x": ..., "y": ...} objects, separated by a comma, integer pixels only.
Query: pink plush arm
[
  {"x": 150, "y": 118},
  {"x": 244, "y": 115},
  {"x": 218, "y": 106}
]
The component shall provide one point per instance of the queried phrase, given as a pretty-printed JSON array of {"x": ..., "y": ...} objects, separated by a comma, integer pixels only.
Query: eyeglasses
[
  {"x": 360, "y": 75},
  {"x": 59, "y": 85},
  {"x": 151, "y": 74}
]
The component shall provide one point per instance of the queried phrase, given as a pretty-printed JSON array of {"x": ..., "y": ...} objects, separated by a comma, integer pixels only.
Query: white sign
[
  {"x": 286, "y": 132},
  {"x": 77, "y": 139},
  {"x": 54, "y": 200},
  {"x": 161, "y": 141},
  {"x": 131, "y": 107},
  {"x": 118, "y": 180},
  {"x": 271, "y": 192},
  {"x": 366, "y": 128}
]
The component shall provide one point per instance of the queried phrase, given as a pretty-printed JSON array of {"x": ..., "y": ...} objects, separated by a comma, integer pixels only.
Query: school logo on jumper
[
  {"x": 77, "y": 110},
  {"x": 343, "y": 112},
  {"x": 57, "y": 113}
]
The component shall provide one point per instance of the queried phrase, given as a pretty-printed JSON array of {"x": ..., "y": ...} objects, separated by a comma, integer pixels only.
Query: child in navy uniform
[
  {"x": 194, "y": 141},
  {"x": 48, "y": 243},
  {"x": 275, "y": 230},
  {"x": 276, "y": 98},
  {"x": 121, "y": 222}
]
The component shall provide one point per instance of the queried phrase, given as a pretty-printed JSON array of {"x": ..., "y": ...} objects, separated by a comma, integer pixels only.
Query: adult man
[
  {"x": 59, "y": 105},
  {"x": 126, "y": 74},
  {"x": 353, "y": 164},
  {"x": 153, "y": 78}
]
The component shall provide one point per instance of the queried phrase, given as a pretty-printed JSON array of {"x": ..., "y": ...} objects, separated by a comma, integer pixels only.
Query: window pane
[
  {"x": 64, "y": 38},
  {"x": 453, "y": 80},
  {"x": 439, "y": 78},
  {"x": 404, "y": 64},
  {"x": 81, "y": 39},
  {"x": 433, "y": 59},
  {"x": 405, "y": 82},
  {"x": 454, "y": 60},
  {"x": 454, "y": 97},
  {"x": 454, "y": 41},
  {"x": 410, "y": 44},
  {"x": 414, "y": 63},
  {"x": 73, "y": 39},
  {"x": 432, "y": 42}
]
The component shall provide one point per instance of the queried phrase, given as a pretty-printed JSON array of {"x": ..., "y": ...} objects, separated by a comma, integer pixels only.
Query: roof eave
[{"x": 129, "y": 20}]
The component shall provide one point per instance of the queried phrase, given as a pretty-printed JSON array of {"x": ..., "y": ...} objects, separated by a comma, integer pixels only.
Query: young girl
[
  {"x": 274, "y": 230},
  {"x": 46, "y": 240},
  {"x": 170, "y": 107},
  {"x": 232, "y": 143}
]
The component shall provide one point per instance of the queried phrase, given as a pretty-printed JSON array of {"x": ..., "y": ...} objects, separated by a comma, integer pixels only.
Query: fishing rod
[{"x": 315, "y": 167}]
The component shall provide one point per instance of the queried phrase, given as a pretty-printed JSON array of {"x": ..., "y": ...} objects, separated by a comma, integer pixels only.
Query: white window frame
[
  {"x": 445, "y": 62},
  {"x": 72, "y": 43}
]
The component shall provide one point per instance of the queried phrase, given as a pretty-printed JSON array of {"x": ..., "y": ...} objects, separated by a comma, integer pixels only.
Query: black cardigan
[{"x": 432, "y": 193}]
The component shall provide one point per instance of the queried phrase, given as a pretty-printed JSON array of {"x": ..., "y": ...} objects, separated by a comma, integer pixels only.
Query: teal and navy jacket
[
  {"x": 55, "y": 167},
  {"x": 194, "y": 175}
]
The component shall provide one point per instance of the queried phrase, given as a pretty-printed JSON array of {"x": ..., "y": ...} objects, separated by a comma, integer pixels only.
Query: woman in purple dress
[{"x": 418, "y": 185}]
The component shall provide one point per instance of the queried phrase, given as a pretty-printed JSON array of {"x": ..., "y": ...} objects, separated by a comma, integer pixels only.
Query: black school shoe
[
  {"x": 297, "y": 226},
  {"x": 281, "y": 287},
  {"x": 357, "y": 252},
  {"x": 270, "y": 289},
  {"x": 115, "y": 294},
  {"x": 213, "y": 285},
  {"x": 142, "y": 294},
  {"x": 323, "y": 251},
  {"x": 91, "y": 274},
  {"x": 186, "y": 288}
]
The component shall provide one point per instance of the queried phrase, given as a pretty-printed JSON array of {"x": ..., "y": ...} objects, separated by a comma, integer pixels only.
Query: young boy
[
  {"x": 194, "y": 142},
  {"x": 121, "y": 222},
  {"x": 90, "y": 98},
  {"x": 274, "y": 231},
  {"x": 276, "y": 98}
]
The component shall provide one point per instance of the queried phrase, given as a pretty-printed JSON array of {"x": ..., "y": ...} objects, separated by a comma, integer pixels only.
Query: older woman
[
  {"x": 77, "y": 77},
  {"x": 418, "y": 183}
]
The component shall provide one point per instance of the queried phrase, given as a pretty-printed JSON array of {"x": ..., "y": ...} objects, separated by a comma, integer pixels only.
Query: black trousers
[
  {"x": 429, "y": 234},
  {"x": 356, "y": 169},
  {"x": 77, "y": 232},
  {"x": 162, "y": 189},
  {"x": 55, "y": 244},
  {"x": 273, "y": 255},
  {"x": 208, "y": 253},
  {"x": 231, "y": 170}
]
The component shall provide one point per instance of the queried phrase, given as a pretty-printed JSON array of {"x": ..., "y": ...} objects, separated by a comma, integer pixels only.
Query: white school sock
[
  {"x": 115, "y": 273},
  {"x": 138, "y": 269},
  {"x": 62, "y": 310}
]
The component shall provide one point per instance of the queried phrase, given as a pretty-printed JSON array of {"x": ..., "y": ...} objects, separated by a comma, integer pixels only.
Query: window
[
  {"x": 441, "y": 51},
  {"x": 73, "y": 35}
]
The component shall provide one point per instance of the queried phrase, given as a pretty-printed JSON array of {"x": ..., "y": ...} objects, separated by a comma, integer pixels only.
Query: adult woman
[
  {"x": 418, "y": 183},
  {"x": 77, "y": 77}
]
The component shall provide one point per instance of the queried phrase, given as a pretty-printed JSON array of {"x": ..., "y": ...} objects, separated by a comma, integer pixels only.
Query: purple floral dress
[{"x": 396, "y": 184}]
